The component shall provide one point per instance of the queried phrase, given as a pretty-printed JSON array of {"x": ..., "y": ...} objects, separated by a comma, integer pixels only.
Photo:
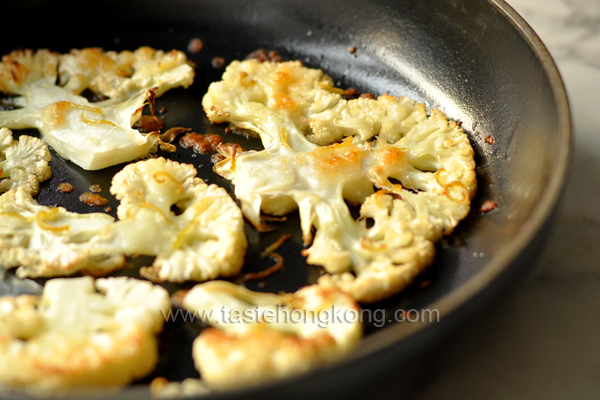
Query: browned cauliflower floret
[
  {"x": 23, "y": 163},
  {"x": 197, "y": 229},
  {"x": 322, "y": 151},
  {"x": 122, "y": 75},
  {"x": 80, "y": 334},
  {"x": 50, "y": 241},
  {"x": 261, "y": 336},
  {"x": 92, "y": 135}
]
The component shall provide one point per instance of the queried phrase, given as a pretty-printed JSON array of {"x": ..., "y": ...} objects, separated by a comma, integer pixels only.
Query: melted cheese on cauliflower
[
  {"x": 261, "y": 336},
  {"x": 321, "y": 151},
  {"x": 80, "y": 334}
]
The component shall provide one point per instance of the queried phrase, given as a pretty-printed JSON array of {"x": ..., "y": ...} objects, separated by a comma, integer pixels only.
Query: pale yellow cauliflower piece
[
  {"x": 92, "y": 135},
  {"x": 123, "y": 74},
  {"x": 80, "y": 334},
  {"x": 161, "y": 388},
  {"x": 262, "y": 336},
  {"x": 424, "y": 162},
  {"x": 47, "y": 241},
  {"x": 195, "y": 230},
  {"x": 23, "y": 163}
]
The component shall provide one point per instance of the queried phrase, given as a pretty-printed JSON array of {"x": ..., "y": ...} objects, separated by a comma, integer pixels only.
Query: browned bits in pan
[
  {"x": 178, "y": 296},
  {"x": 425, "y": 284},
  {"x": 488, "y": 206},
  {"x": 261, "y": 55},
  {"x": 489, "y": 139},
  {"x": 230, "y": 149},
  {"x": 276, "y": 245},
  {"x": 216, "y": 158},
  {"x": 65, "y": 187},
  {"x": 203, "y": 144},
  {"x": 195, "y": 45},
  {"x": 172, "y": 133},
  {"x": 218, "y": 62},
  {"x": 274, "y": 57},
  {"x": 268, "y": 252},
  {"x": 93, "y": 199},
  {"x": 351, "y": 93},
  {"x": 254, "y": 276},
  {"x": 149, "y": 123},
  {"x": 96, "y": 188}
]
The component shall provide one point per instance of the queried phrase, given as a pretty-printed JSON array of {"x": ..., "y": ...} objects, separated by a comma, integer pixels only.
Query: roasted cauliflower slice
[
  {"x": 92, "y": 135},
  {"x": 80, "y": 334},
  {"x": 322, "y": 151},
  {"x": 50, "y": 241},
  {"x": 195, "y": 230},
  {"x": 262, "y": 94},
  {"x": 119, "y": 76},
  {"x": 23, "y": 163},
  {"x": 262, "y": 336}
]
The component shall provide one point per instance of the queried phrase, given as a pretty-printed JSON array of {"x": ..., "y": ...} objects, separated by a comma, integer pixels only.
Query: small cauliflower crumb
[{"x": 161, "y": 388}]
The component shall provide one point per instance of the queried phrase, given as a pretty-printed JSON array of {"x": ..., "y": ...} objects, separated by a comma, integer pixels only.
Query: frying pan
[{"x": 475, "y": 60}]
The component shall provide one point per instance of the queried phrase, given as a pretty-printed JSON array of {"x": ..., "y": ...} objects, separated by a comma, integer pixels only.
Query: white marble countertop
[{"x": 545, "y": 344}]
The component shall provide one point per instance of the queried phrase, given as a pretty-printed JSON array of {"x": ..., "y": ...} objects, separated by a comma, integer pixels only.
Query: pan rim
[
  {"x": 450, "y": 304},
  {"x": 549, "y": 200}
]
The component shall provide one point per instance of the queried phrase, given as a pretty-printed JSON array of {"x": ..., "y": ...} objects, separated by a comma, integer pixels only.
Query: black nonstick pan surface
[{"x": 477, "y": 61}]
